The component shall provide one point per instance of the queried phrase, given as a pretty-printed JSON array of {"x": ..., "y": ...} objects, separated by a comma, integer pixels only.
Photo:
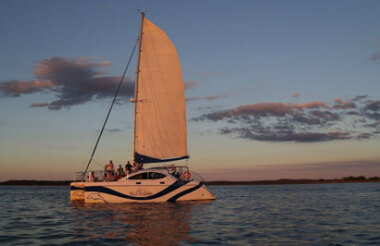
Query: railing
[
  {"x": 196, "y": 177},
  {"x": 180, "y": 172},
  {"x": 78, "y": 176},
  {"x": 91, "y": 176}
]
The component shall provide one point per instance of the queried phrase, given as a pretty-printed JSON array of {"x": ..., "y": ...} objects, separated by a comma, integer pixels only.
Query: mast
[{"x": 136, "y": 86}]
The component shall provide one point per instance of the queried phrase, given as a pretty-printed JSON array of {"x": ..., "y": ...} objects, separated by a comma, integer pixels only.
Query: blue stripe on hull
[
  {"x": 105, "y": 190},
  {"x": 174, "y": 198},
  {"x": 75, "y": 188}
]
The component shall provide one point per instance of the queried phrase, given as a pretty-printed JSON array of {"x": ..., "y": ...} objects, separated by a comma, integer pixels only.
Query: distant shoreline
[
  {"x": 351, "y": 179},
  {"x": 289, "y": 181}
]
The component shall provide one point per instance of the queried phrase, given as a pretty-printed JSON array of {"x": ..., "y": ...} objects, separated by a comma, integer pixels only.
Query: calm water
[{"x": 324, "y": 214}]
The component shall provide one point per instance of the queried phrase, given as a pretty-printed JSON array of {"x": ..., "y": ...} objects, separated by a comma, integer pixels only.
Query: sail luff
[{"x": 136, "y": 86}]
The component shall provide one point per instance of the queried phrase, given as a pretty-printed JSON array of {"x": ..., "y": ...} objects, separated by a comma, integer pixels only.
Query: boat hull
[
  {"x": 77, "y": 191},
  {"x": 122, "y": 192}
]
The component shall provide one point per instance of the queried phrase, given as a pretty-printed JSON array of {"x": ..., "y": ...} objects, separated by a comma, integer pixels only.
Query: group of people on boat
[{"x": 111, "y": 175}]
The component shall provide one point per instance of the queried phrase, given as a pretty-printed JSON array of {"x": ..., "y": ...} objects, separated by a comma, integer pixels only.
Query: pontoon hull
[
  {"x": 120, "y": 192},
  {"x": 77, "y": 191}
]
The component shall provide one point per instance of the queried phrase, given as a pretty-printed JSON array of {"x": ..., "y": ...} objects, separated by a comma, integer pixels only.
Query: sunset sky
[{"x": 275, "y": 89}]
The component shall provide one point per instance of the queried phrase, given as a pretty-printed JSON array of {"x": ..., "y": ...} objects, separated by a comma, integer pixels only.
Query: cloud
[
  {"x": 373, "y": 116},
  {"x": 16, "y": 88},
  {"x": 282, "y": 136},
  {"x": 373, "y": 106},
  {"x": 308, "y": 122},
  {"x": 209, "y": 98},
  {"x": 190, "y": 84},
  {"x": 374, "y": 124},
  {"x": 73, "y": 82},
  {"x": 315, "y": 117},
  {"x": 37, "y": 105},
  {"x": 372, "y": 109},
  {"x": 376, "y": 57},
  {"x": 261, "y": 110},
  {"x": 359, "y": 98},
  {"x": 340, "y": 104}
]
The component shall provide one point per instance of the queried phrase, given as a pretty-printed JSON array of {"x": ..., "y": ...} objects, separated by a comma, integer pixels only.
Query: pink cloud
[
  {"x": 209, "y": 98},
  {"x": 376, "y": 57},
  {"x": 315, "y": 104},
  {"x": 190, "y": 84},
  {"x": 307, "y": 122},
  {"x": 276, "y": 108},
  {"x": 247, "y": 112},
  {"x": 15, "y": 88},
  {"x": 39, "y": 105},
  {"x": 338, "y": 100},
  {"x": 95, "y": 62},
  {"x": 49, "y": 67},
  {"x": 73, "y": 82},
  {"x": 340, "y": 104}
]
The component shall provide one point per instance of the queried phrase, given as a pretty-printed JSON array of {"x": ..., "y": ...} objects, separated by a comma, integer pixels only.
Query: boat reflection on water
[{"x": 136, "y": 223}]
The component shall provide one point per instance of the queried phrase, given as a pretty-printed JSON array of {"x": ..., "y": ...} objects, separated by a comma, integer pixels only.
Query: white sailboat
[{"x": 159, "y": 133}]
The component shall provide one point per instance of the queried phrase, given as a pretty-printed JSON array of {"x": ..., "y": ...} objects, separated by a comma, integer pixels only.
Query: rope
[{"x": 109, "y": 111}]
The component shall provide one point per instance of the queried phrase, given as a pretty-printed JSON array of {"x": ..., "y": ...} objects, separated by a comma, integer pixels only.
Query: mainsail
[{"x": 160, "y": 111}]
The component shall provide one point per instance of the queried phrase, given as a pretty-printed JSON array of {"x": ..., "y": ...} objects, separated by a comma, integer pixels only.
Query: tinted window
[
  {"x": 140, "y": 176},
  {"x": 150, "y": 175},
  {"x": 156, "y": 175}
]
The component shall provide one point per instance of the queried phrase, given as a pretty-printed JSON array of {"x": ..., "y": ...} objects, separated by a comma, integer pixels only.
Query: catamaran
[{"x": 159, "y": 133}]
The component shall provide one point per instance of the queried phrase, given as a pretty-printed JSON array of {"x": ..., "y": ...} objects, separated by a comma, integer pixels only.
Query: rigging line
[{"x": 109, "y": 111}]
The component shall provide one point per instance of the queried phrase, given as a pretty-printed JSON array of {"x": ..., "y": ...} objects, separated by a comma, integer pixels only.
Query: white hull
[
  {"x": 168, "y": 189},
  {"x": 114, "y": 192}
]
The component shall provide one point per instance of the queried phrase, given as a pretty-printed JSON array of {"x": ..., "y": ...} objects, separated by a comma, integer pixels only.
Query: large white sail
[{"x": 160, "y": 123}]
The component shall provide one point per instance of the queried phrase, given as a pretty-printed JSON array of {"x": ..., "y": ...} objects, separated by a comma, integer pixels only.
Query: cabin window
[
  {"x": 150, "y": 175},
  {"x": 153, "y": 175},
  {"x": 140, "y": 176}
]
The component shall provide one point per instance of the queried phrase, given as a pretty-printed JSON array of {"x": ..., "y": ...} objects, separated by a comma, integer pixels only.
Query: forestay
[{"x": 160, "y": 127}]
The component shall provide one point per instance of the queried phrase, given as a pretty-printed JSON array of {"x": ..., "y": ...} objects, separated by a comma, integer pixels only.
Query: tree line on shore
[{"x": 348, "y": 179}]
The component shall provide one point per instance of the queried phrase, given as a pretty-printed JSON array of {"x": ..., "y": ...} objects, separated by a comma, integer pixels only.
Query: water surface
[{"x": 314, "y": 214}]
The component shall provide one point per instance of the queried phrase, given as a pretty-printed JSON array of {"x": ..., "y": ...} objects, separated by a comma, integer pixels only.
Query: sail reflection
[{"x": 136, "y": 223}]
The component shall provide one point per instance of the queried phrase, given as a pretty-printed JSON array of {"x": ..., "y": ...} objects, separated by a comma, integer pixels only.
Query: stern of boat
[{"x": 77, "y": 191}]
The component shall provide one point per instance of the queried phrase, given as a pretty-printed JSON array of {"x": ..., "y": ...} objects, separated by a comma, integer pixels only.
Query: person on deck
[
  {"x": 128, "y": 168},
  {"x": 120, "y": 171},
  {"x": 134, "y": 168},
  {"x": 139, "y": 166},
  {"x": 110, "y": 170},
  {"x": 105, "y": 173}
]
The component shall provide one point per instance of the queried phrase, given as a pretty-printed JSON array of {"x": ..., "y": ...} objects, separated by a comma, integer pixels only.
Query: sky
[{"x": 274, "y": 89}]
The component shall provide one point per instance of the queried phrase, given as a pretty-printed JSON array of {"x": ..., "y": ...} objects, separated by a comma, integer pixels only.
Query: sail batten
[{"x": 160, "y": 127}]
